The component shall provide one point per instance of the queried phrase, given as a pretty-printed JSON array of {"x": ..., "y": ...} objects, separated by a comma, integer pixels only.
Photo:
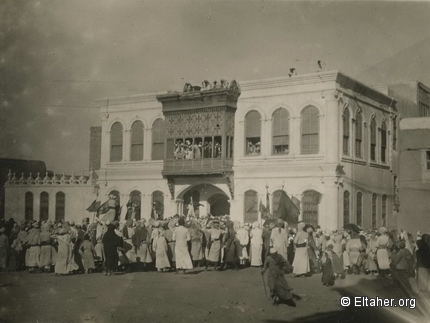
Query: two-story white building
[{"x": 324, "y": 138}]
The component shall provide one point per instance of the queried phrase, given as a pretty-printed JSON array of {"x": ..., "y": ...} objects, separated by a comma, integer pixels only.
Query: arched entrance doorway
[
  {"x": 219, "y": 205},
  {"x": 204, "y": 199}
]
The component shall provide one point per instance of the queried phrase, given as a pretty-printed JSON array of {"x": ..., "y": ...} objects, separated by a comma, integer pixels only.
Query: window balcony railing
[{"x": 197, "y": 166}]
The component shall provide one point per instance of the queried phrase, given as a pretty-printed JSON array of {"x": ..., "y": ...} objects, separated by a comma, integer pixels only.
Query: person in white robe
[
  {"x": 181, "y": 236},
  {"x": 256, "y": 245}
]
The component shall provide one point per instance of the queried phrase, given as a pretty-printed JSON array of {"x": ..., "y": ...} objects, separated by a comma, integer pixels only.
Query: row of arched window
[
  {"x": 374, "y": 138},
  {"x": 133, "y": 204},
  {"x": 309, "y": 133},
  {"x": 60, "y": 206},
  {"x": 137, "y": 141},
  {"x": 359, "y": 209},
  {"x": 309, "y": 205}
]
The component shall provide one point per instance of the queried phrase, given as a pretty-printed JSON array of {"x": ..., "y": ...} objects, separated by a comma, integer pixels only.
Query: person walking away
[
  {"x": 181, "y": 236},
  {"x": 256, "y": 244},
  {"x": 229, "y": 242},
  {"x": 276, "y": 266},
  {"x": 111, "y": 243},
  {"x": 87, "y": 252}
]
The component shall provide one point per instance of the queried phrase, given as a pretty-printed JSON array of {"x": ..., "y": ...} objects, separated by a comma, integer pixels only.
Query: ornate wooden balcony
[{"x": 208, "y": 166}]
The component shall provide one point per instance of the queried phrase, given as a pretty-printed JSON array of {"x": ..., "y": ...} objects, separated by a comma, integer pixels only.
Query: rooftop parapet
[{"x": 51, "y": 180}]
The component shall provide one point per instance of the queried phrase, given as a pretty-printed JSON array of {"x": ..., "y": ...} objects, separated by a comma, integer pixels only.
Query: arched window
[
  {"x": 251, "y": 206},
  {"x": 359, "y": 209},
  {"x": 345, "y": 121},
  {"x": 310, "y": 201},
  {"x": 346, "y": 218},
  {"x": 60, "y": 206},
  {"x": 252, "y": 133},
  {"x": 44, "y": 206},
  {"x": 383, "y": 142},
  {"x": 29, "y": 206},
  {"x": 358, "y": 135},
  {"x": 384, "y": 211},
  {"x": 395, "y": 133},
  {"x": 136, "y": 151},
  {"x": 374, "y": 221},
  {"x": 373, "y": 140},
  {"x": 116, "y": 142},
  {"x": 158, "y": 134},
  {"x": 310, "y": 130},
  {"x": 281, "y": 132},
  {"x": 133, "y": 206},
  {"x": 157, "y": 211}
]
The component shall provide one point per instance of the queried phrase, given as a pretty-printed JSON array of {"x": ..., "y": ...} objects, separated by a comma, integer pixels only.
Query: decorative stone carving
[
  {"x": 234, "y": 87},
  {"x": 22, "y": 180},
  {"x": 38, "y": 179},
  {"x": 224, "y": 84}
]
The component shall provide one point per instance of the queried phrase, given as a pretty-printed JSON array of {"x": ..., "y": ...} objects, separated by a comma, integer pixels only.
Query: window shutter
[
  {"x": 252, "y": 124},
  {"x": 136, "y": 152}
]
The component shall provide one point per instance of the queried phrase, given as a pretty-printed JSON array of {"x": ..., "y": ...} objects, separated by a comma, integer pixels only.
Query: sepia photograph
[{"x": 214, "y": 161}]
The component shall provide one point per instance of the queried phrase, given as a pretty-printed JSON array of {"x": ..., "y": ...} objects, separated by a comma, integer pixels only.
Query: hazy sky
[{"x": 70, "y": 53}]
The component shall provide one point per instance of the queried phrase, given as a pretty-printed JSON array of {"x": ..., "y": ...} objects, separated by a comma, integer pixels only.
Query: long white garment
[
  {"x": 183, "y": 260},
  {"x": 243, "y": 237},
  {"x": 256, "y": 247},
  {"x": 279, "y": 240}
]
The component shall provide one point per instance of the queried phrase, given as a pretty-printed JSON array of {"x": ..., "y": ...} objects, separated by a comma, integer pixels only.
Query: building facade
[
  {"x": 324, "y": 138},
  {"x": 63, "y": 197}
]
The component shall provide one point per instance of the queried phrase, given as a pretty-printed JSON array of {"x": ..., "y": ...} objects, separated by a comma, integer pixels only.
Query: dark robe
[
  {"x": 266, "y": 243},
  {"x": 277, "y": 265},
  {"x": 111, "y": 243},
  {"x": 230, "y": 246},
  {"x": 327, "y": 277}
]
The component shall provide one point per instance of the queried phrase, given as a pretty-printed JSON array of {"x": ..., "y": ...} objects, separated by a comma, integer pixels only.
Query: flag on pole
[
  {"x": 287, "y": 210},
  {"x": 102, "y": 209},
  {"x": 265, "y": 213},
  {"x": 268, "y": 202},
  {"x": 94, "y": 206},
  {"x": 296, "y": 202}
]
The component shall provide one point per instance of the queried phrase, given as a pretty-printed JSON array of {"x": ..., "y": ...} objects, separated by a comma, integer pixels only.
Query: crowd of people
[
  {"x": 187, "y": 150},
  {"x": 216, "y": 243}
]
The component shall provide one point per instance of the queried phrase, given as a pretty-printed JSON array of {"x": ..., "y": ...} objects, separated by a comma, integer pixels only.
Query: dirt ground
[{"x": 199, "y": 296}]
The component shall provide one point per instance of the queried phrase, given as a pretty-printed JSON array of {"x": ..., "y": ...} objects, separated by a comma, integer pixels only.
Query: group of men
[{"x": 179, "y": 244}]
